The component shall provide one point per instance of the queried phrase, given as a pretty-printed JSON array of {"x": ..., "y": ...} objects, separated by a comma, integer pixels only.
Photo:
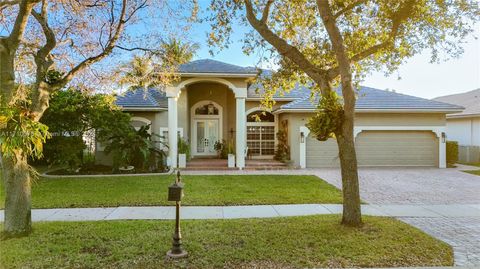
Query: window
[
  {"x": 164, "y": 134},
  {"x": 261, "y": 133},
  {"x": 208, "y": 109},
  {"x": 138, "y": 122},
  {"x": 260, "y": 116},
  {"x": 261, "y": 140}
]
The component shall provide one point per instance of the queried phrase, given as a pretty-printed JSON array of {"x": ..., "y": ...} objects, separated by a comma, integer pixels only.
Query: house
[
  {"x": 464, "y": 127},
  {"x": 213, "y": 101}
]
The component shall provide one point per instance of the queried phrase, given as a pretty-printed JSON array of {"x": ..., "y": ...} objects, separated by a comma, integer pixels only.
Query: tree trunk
[
  {"x": 16, "y": 176},
  {"x": 352, "y": 215},
  {"x": 16, "y": 172}
]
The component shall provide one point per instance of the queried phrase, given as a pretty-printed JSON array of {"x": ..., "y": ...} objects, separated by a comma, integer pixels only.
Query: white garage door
[{"x": 379, "y": 148}]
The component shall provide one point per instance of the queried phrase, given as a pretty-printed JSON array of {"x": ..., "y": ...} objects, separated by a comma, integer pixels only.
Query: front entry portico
[
  {"x": 206, "y": 121},
  {"x": 206, "y": 127}
]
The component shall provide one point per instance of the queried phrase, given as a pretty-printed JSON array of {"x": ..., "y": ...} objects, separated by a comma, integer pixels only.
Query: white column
[
  {"x": 304, "y": 132},
  {"x": 442, "y": 150},
  {"x": 172, "y": 130},
  {"x": 241, "y": 136}
]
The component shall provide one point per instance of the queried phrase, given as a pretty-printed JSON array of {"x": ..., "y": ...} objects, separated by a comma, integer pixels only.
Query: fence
[{"x": 469, "y": 154}]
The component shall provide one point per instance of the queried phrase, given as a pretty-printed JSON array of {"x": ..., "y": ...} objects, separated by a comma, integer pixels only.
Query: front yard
[
  {"x": 313, "y": 241},
  {"x": 199, "y": 190},
  {"x": 473, "y": 172}
]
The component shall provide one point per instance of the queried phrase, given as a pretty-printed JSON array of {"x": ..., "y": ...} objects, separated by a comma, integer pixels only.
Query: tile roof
[
  {"x": 256, "y": 90},
  {"x": 140, "y": 98},
  {"x": 368, "y": 98},
  {"x": 213, "y": 66},
  {"x": 371, "y": 98},
  {"x": 470, "y": 100}
]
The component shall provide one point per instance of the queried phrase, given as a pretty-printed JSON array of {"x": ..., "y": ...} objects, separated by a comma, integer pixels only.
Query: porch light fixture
[
  {"x": 443, "y": 137},
  {"x": 302, "y": 137}
]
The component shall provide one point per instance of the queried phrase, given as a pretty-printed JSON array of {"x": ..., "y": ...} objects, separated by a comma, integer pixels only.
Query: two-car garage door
[{"x": 379, "y": 148}]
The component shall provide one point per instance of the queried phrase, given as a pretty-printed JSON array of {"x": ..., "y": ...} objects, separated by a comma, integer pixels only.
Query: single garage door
[{"x": 379, "y": 148}]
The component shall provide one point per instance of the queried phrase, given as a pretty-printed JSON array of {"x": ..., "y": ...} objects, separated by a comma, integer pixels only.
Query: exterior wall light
[
  {"x": 302, "y": 137},
  {"x": 443, "y": 137}
]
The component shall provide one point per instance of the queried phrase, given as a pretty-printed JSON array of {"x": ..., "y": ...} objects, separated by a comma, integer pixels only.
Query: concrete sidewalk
[{"x": 255, "y": 211}]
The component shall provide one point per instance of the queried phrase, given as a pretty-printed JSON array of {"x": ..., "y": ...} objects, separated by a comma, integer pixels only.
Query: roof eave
[
  {"x": 274, "y": 98},
  {"x": 373, "y": 110},
  {"x": 223, "y": 75},
  {"x": 459, "y": 116},
  {"x": 139, "y": 108}
]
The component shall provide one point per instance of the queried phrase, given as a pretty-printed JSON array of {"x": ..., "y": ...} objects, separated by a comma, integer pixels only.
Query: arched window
[
  {"x": 207, "y": 109},
  {"x": 138, "y": 122},
  {"x": 260, "y": 116}
]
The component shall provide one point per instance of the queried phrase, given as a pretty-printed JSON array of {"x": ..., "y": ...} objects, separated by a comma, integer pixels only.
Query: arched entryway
[
  {"x": 206, "y": 127},
  {"x": 261, "y": 129}
]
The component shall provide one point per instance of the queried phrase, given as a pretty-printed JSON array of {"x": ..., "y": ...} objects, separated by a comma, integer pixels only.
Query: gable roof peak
[{"x": 211, "y": 66}]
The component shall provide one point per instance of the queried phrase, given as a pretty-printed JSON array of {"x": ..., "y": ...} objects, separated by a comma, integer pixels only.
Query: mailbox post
[{"x": 175, "y": 193}]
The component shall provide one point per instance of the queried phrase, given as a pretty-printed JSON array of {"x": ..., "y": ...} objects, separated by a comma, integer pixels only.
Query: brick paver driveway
[
  {"x": 425, "y": 186},
  {"x": 412, "y": 185}
]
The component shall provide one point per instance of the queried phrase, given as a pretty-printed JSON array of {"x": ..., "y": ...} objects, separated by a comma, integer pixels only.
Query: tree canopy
[{"x": 377, "y": 35}]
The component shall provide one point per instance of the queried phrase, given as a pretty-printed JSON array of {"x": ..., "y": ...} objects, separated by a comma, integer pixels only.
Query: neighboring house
[
  {"x": 464, "y": 127},
  {"x": 215, "y": 101}
]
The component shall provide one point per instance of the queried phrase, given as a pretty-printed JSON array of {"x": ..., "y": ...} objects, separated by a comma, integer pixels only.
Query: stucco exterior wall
[
  {"x": 466, "y": 131},
  {"x": 237, "y": 82},
  {"x": 400, "y": 119},
  {"x": 296, "y": 120},
  {"x": 157, "y": 119},
  {"x": 215, "y": 92}
]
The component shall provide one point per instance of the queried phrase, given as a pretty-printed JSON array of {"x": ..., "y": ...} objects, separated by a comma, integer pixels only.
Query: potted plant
[
  {"x": 219, "y": 147},
  {"x": 183, "y": 152},
  {"x": 231, "y": 154}
]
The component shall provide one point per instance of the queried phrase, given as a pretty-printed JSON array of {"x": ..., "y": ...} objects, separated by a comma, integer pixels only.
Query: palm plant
[{"x": 158, "y": 67}]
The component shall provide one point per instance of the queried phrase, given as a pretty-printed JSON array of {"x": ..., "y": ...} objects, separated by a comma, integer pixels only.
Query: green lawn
[
  {"x": 473, "y": 172},
  {"x": 199, "y": 190},
  {"x": 313, "y": 241}
]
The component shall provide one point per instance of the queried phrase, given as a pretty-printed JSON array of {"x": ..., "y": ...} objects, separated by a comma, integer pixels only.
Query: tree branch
[
  {"x": 136, "y": 48},
  {"x": 51, "y": 41},
  {"x": 91, "y": 60},
  {"x": 4, "y": 4},
  {"x": 282, "y": 46},
  {"x": 397, "y": 19},
  {"x": 15, "y": 36},
  {"x": 266, "y": 11},
  {"x": 341, "y": 54},
  {"x": 349, "y": 8}
]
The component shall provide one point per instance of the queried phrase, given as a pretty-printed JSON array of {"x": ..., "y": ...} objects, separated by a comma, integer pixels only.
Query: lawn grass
[
  {"x": 199, "y": 190},
  {"x": 473, "y": 172},
  {"x": 298, "y": 242}
]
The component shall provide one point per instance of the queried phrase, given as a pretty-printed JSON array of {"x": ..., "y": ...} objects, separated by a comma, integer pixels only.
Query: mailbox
[{"x": 175, "y": 192}]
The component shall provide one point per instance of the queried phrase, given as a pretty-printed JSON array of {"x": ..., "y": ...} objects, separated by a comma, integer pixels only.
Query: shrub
[
  {"x": 224, "y": 148},
  {"x": 183, "y": 147},
  {"x": 282, "y": 153},
  {"x": 65, "y": 150},
  {"x": 452, "y": 152}
]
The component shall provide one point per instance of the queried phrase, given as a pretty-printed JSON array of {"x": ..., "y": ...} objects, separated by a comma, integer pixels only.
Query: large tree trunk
[
  {"x": 348, "y": 159},
  {"x": 352, "y": 215},
  {"x": 16, "y": 176}
]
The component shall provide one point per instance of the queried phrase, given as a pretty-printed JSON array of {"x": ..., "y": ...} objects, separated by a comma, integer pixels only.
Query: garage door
[{"x": 379, "y": 148}]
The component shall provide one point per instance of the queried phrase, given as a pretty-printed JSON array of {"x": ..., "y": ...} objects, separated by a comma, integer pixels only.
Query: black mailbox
[{"x": 175, "y": 192}]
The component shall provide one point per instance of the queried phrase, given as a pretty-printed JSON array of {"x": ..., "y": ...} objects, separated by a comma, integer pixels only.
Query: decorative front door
[{"x": 206, "y": 133}]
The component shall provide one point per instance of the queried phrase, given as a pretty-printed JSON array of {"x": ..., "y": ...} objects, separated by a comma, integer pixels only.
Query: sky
[{"x": 418, "y": 76}]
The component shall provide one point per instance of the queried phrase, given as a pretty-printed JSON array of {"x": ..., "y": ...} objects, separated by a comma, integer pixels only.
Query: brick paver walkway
[{"x": 462, "y": 233}]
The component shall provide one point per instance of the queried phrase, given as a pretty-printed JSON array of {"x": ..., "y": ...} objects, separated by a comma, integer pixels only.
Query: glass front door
[{"x": 206, "y": 134}]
